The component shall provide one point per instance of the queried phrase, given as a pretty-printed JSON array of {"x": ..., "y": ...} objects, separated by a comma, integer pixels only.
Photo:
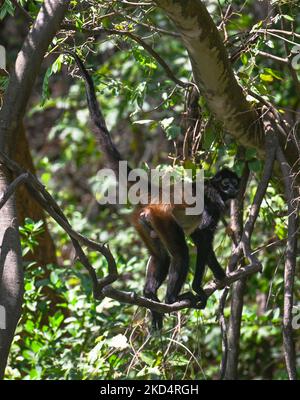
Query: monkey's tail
[{"x": 111, "y": 153}]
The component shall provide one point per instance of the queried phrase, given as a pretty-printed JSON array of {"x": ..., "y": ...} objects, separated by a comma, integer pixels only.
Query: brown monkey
[{"x": 163, "y": 226}]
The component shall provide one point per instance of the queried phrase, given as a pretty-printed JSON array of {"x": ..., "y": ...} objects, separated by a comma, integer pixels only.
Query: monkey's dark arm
[
  {"x": 202, "y": 243},
  {"x": 214, "y": 265},
  {"x": 203, "y": 240}
]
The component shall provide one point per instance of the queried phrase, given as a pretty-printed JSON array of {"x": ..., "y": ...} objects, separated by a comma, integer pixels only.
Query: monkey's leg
[
  {"x": 172, "y": 237},
  {"x": 157, "y": 270},
  {"x": 201, "y": 239},
  {"x": 177, "y": 273},
  {"x": 158, "y": 264},
  {"x": 198, "y": 277},
  {"x": 214, "y": 265}
]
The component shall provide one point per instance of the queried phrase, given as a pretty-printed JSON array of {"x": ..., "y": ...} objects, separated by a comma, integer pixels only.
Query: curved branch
[
  {"x": 209, "y": 289},
  {"x": 103, "y": 287}
]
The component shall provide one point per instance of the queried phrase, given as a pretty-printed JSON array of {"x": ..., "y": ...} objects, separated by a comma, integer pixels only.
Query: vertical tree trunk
[
  {"x": 238, "y": 288},
  {"x": 11, "y": 271},
  {"x": 234, "y": 329},
  {"x": 44, "y": 253},
  {"x": 21, "y": 81}
]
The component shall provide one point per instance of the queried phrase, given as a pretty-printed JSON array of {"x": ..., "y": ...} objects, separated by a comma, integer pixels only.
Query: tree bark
[
  {"x": 214, "y": 76},
  {"x": 289, "y": 267},
  {"x": 15, "y": 100},
  {"x": 11, "y": 271},
  {"x": 234, "y": 329},
  {"x": 238, "y": 288},
  {"x": 44, "y": 253}
]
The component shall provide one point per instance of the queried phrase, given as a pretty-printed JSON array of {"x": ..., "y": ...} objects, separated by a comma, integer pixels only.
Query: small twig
[
  {"x": 12, "y": 188},
  {"x": 293, "y": 73},
  {"x": 273, "y": 57},
  {"x": 230, "y": 331},
  {"x": 224, "y": 17},
  {"x": 271, "y": 33},
  {"x": 271, "y": 146},
  {"x": 284, "y": 32},
  {"x": 151, "y": 27},
  {"x": 131, "y": 3}
]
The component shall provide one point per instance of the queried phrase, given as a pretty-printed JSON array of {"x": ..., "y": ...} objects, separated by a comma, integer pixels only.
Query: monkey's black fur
[
  {"x": 215, "y": 198},
  {"x": 216, "y": 195}
]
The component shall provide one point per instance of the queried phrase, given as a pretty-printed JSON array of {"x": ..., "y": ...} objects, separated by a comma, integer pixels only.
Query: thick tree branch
[
  {"x": 215, "y": 78},
  {"x": 15, "y": 99},
  {"x": 209, "y": 289},
  {"x": 231, "y": 332},
  {"x": 27, "y": 67}
]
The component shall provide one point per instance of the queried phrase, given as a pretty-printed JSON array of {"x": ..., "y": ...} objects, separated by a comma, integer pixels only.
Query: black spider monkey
[{"x": 163, "y": 227}]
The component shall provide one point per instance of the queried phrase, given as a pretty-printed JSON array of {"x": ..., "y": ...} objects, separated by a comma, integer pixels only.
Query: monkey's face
[
  {"x": 227, "y": 183},
  {"x": 230, "y": 187}
]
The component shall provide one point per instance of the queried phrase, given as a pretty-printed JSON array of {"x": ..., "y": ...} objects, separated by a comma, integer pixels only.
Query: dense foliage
[{"x": 81, "y": 338}]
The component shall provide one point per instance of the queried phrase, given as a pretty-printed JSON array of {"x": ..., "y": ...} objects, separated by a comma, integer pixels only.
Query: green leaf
[
  {"x": 244, "y": 58},
  {"x": 166, "y": 123},
  {"x": 254, "y": 165},
  {"x": 54, "y": 278},
  {"x": 45, "y": 88},
  {"x": 266, "y": 77},
  {"x": 173, "y": 132},
  {"x": 56, "y": 66},
  {"x": 119, "y": 342},
  {"x": 7, "y": 8},
  {"x": 288, "y": 17},
  {"x": 28, "y": 354},
  {"x": 208, "y": 139},
  {"x": 250, "y": 154},
  {"x": 36, "y": 346},
  {"x": 29, "y": 326},
  {"x": 56, "y": 320},
  {"x": 274, "y": 73},
  {"x": 53, "y": 69},
  {"x": 270, "y": 44},
  {"x": 29, "y": 286}
]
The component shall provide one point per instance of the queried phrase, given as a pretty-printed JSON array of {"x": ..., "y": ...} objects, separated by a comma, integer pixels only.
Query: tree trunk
[
  {"x": 27, "y": 207},
  {"x": 15, "y": 100},
  {"x": 234, "y": 329},
  {"x": 11, "y": 272},
  {"x": 45, "y": 252},
  {"x": 214, "y": 76}
]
